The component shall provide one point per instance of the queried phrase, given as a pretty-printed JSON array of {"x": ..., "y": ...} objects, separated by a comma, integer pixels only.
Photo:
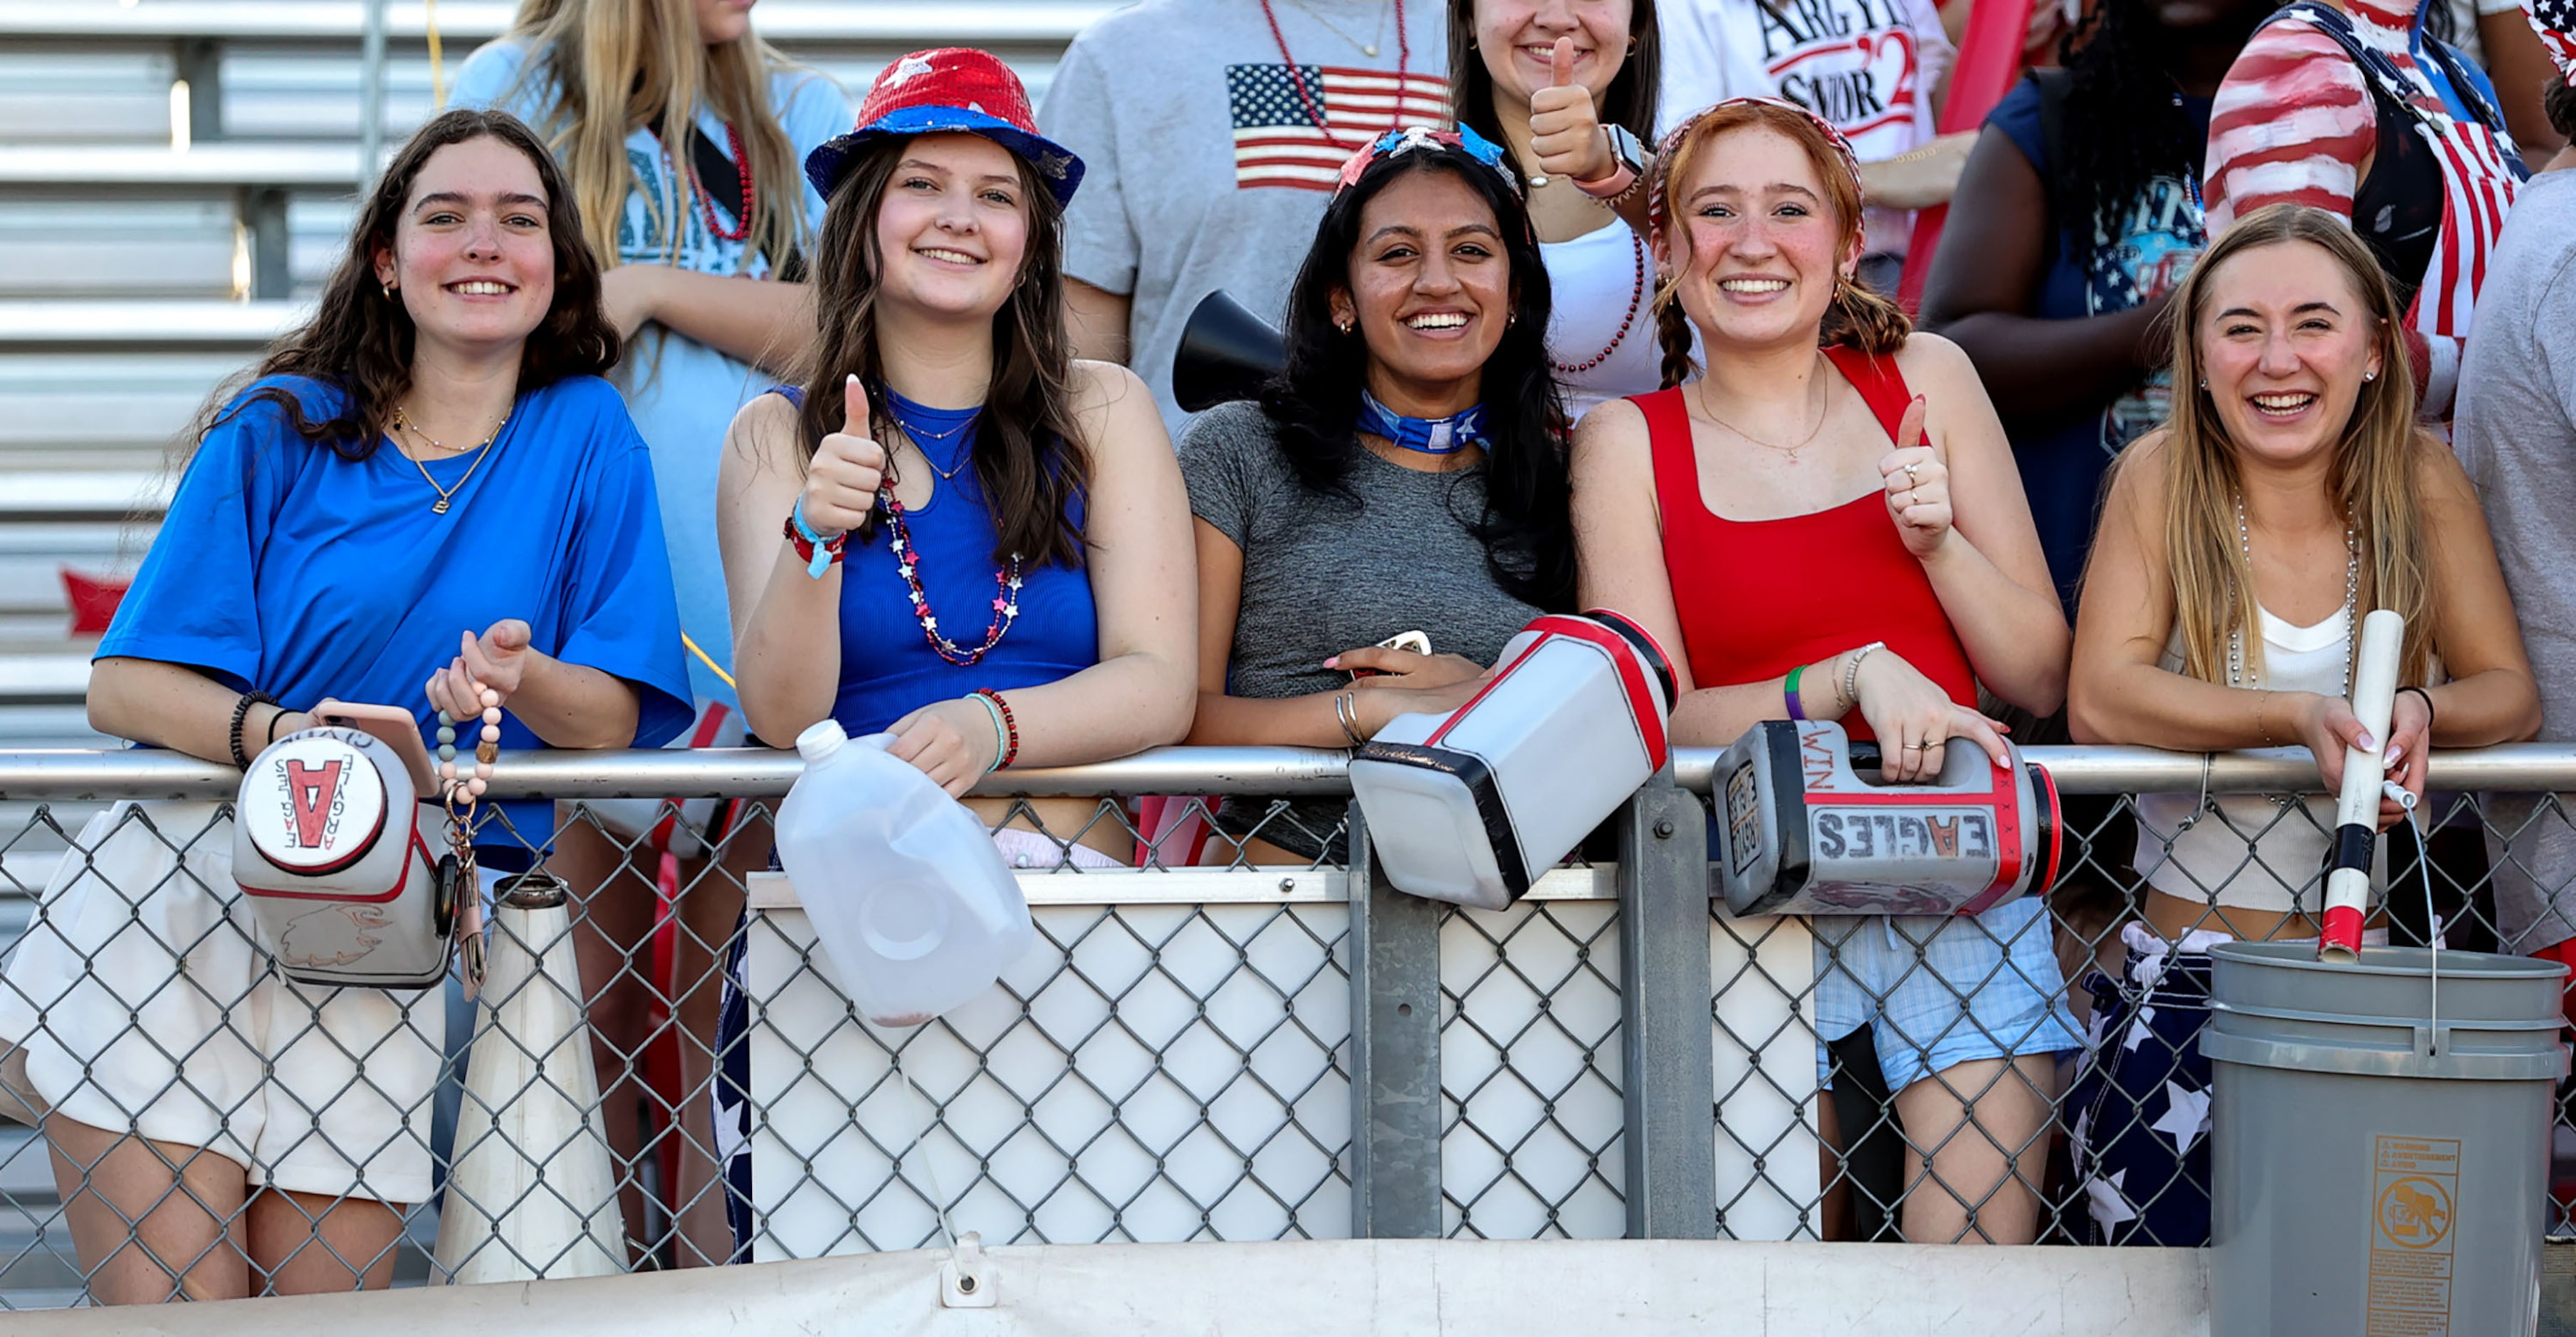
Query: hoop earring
[{"x": 389, "y": 291}]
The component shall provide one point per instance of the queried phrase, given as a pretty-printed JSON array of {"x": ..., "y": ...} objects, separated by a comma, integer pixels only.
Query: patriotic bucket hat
[
  {"x": 952, "y": 89},
  {"x": 2555, "y": 21}
]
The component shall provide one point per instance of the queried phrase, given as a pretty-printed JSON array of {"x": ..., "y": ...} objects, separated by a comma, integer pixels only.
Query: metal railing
[{"x": 1217, "y": 1050}]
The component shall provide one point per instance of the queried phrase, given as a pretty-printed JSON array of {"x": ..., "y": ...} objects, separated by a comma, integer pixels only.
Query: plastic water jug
[{"x": 909, "y": 899}]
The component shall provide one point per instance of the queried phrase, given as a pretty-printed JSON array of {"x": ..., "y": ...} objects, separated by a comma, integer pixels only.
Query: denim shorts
[{"x": 1941, "y": 990}]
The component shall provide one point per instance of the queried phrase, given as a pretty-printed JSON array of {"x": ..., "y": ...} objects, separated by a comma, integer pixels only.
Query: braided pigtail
[
  {"x": 1863, "y": 319},
  {"x": 1673, "y": 334}
]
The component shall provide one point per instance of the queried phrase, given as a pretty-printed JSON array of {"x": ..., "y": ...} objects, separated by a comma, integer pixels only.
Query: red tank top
[{"x": 1757, "y": 598}]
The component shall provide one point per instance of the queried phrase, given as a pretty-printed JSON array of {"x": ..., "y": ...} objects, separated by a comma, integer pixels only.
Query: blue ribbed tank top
[{"x": 888, "y": 668}]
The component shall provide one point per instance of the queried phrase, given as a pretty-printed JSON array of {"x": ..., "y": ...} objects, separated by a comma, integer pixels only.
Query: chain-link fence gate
[{"x": 1202, "y": 1049}]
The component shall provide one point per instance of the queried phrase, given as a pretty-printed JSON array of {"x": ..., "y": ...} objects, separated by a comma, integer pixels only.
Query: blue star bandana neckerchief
[{"x": 1430, "y": 436}]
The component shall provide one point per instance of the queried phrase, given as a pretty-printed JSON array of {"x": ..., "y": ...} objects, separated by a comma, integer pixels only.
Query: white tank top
[
  {"x": 1598, "y": 280},
  {"x": 2288, "y": 839}
]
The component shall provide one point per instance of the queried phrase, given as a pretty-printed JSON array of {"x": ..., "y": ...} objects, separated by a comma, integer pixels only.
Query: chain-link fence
[{"x": 1203, "y": 1044}]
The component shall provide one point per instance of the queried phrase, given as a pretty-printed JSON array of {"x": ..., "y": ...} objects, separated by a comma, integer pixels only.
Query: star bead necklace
[{"x": 1006, "y": 584}]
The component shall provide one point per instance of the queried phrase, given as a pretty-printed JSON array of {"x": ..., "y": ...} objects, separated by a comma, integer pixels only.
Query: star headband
[
  {"x": 1672, "y": 142},
  {"x": 2555, "y": 21},
  {"x": 1396, "y": 142}
]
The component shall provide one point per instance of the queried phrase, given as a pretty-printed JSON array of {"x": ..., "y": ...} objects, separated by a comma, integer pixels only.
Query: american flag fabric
[
  {"x": 1297, "y": 129},
  {"x": 2555, "y": 21},
  {"x": 2294, "y": 119}
]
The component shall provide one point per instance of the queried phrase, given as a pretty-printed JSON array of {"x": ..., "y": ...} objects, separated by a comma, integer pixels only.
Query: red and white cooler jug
[
  {"x": 1472, "y": 806},
  {"x": 1807, "y": 830},
  {"x": 334, "y": 851}
]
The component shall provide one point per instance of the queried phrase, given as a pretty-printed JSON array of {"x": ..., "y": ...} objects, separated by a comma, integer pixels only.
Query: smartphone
[
  {"x": 1415, "y": 641},
  {"x": 396, "y": 727}
]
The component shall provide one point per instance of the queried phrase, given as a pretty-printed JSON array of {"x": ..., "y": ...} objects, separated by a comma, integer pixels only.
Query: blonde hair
[
  {"x": 621, "y": 65},
  {"x": 2372, "y": 479},
  {"x": 1858, "y": 317}
]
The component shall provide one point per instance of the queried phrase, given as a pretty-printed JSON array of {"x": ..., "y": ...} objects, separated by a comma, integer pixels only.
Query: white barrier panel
[{"x": 1358, "y": 1288}]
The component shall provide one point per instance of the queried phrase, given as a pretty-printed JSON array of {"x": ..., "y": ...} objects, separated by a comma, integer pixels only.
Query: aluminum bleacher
[{"x": 176, "y": 177}]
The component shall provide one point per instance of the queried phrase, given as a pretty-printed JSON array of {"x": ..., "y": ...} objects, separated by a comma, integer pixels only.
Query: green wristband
[{"x": 1796, "y": 711}]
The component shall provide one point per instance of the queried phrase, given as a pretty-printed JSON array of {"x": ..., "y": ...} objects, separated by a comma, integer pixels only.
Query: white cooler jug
[
  {"x": 1472, "y": 806},
  {"x": 907, "y": 895}
]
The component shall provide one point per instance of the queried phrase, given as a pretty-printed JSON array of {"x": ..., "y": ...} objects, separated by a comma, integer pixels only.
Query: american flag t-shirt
[{"x": 1278, "y": 140}]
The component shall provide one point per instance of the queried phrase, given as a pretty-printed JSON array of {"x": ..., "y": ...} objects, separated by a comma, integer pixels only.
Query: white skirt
[{"x": 146, "y": 1005}]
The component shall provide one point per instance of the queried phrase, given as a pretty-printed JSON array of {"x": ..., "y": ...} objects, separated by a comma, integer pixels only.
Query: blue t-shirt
[
  {"x": 682, "y": 393},
  {"x": 2148, "y": 252},
  {"x": 888, "y": 668},
  {"x": 285, "y": 567}
]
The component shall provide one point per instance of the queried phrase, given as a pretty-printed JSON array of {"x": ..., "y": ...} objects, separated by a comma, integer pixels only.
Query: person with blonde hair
[
  {"x": 1827, "y": 524},
  {"x": 2289, "y": 493},
  {"x": 684, "y": 135}
]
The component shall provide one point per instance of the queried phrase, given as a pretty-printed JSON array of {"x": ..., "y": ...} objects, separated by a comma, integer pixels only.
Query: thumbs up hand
[
  {"x": 841, "y": 480},
  {"x": 1565, "y": 127}
]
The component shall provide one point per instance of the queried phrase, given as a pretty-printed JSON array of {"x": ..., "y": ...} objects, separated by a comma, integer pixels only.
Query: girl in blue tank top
[{"x": 946, "y": 528}]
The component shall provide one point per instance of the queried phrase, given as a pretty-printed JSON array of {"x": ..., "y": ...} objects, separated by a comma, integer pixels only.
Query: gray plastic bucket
[{"x": 2380, "y": 1152}]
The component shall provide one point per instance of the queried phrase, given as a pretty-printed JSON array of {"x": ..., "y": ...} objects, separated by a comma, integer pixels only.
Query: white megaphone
[
  {"x": 531, "y": 1188},
  {"x": 1473, "y": 806}
]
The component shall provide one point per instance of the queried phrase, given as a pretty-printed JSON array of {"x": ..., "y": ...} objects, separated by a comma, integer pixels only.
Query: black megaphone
[{"x": 1226, "y": 353}]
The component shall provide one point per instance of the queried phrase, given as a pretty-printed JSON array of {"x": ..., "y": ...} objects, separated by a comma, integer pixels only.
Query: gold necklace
[
  {"x": 402, "y": 420},
  {"x": 447, "y": 495},
  {"x": 1368, "y": 49},
  {"x": 1822, "y": 412}
]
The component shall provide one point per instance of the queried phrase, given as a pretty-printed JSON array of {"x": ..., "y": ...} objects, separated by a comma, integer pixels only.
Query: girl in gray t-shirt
[{"x": 1406, "y": 473}]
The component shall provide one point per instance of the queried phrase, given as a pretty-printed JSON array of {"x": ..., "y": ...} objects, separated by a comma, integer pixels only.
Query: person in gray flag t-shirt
[
  {"x": 1215, "y": 130},
  {"x": 2515, "y": 431}
]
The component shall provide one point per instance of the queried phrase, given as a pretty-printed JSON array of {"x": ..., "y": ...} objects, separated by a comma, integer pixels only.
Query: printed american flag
[{"x": 1276, "y": 139}]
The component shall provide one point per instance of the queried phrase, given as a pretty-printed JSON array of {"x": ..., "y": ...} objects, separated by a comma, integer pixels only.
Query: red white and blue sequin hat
[{"x": 952, "y": 89}]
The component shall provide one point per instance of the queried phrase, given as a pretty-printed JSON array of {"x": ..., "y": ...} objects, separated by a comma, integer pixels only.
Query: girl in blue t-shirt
[
  {"x": 688, "y": 178},
  {"x": 424, "y": 493}
]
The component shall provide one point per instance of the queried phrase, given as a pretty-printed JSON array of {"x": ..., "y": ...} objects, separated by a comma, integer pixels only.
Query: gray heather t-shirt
[
  {"x": 2515, "y": 431},
  {"x": 1206, "y": 165},
  {"x": 1321, "y": 575}
]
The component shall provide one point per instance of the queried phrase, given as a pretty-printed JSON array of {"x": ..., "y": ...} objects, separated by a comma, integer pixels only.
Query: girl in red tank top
[{"x": 1823, "y": 542}]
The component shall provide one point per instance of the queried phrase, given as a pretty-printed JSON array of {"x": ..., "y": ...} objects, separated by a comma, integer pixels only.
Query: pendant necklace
[{"x": 447, "y": 495}]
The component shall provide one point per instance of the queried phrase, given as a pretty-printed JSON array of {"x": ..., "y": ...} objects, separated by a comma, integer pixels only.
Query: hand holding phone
[{"x": 1411, "y": 642}]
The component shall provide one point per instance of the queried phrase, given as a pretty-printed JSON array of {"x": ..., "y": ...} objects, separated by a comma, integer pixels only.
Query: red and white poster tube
[{"x": 2374, "y": 691}]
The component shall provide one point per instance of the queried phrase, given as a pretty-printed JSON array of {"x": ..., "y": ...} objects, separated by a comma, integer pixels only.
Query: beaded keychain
[{"x": 460, "y": 795}]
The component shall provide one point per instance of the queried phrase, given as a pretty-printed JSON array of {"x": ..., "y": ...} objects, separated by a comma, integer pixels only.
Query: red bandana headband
[
  {"x": 2555, "y": 21},
  {"x": 1672, "y": 141}
]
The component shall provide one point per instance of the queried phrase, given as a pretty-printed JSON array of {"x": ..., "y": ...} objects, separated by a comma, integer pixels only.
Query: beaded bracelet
[
  {"x": 486, "y": 751},
  {"x": 1001, "y": 731},
  {"x": 241, "y": 712},
  {"x": 1010, "y": 727},
  {"x": 1851, "y": 670}
]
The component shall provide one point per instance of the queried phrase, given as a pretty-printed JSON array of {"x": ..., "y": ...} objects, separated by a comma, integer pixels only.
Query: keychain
[{"x": 461, "y": 796}]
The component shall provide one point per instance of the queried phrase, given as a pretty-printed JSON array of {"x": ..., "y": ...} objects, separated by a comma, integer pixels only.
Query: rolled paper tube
[{"x": 2374, "y": 691}]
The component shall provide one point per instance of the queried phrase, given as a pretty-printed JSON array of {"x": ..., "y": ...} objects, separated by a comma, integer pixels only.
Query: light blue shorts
[{"x": 1940, "y": 990}]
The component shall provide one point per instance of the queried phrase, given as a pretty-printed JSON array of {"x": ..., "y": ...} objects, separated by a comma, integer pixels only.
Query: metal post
[
  {"x": 371, "y": 94},
  {"x": 263, "y": 215},
  {"x": 1395, "y": 1054},
  {"x": 1668, "y": 1077},
  {"x": 201, "y": 64}
]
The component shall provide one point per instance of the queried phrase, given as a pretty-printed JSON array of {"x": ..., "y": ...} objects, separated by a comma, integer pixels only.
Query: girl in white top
[
  {"x": 1550, "y": 80},
  {"x": 2242, "y": 541}
]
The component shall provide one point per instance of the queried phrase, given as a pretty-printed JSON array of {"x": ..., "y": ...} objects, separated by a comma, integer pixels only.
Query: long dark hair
[
  {"x": 1315, "y": 400},
  {"x": 1028, "y": 457},
  {"x": 2122, "y": 126},
  {"x": 360, "y": 337},
  {"x": 1629, "y": 100}
]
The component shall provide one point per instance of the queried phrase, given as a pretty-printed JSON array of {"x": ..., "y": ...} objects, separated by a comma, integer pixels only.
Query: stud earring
[
  {"x": 2204, "y": 385},
  {"x": 1342, "y": 325},
  {"x": 2370, "y": 376}
]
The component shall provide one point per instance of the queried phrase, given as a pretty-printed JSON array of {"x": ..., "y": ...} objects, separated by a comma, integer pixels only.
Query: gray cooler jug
[{"x": 2380, "y": 1141}]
